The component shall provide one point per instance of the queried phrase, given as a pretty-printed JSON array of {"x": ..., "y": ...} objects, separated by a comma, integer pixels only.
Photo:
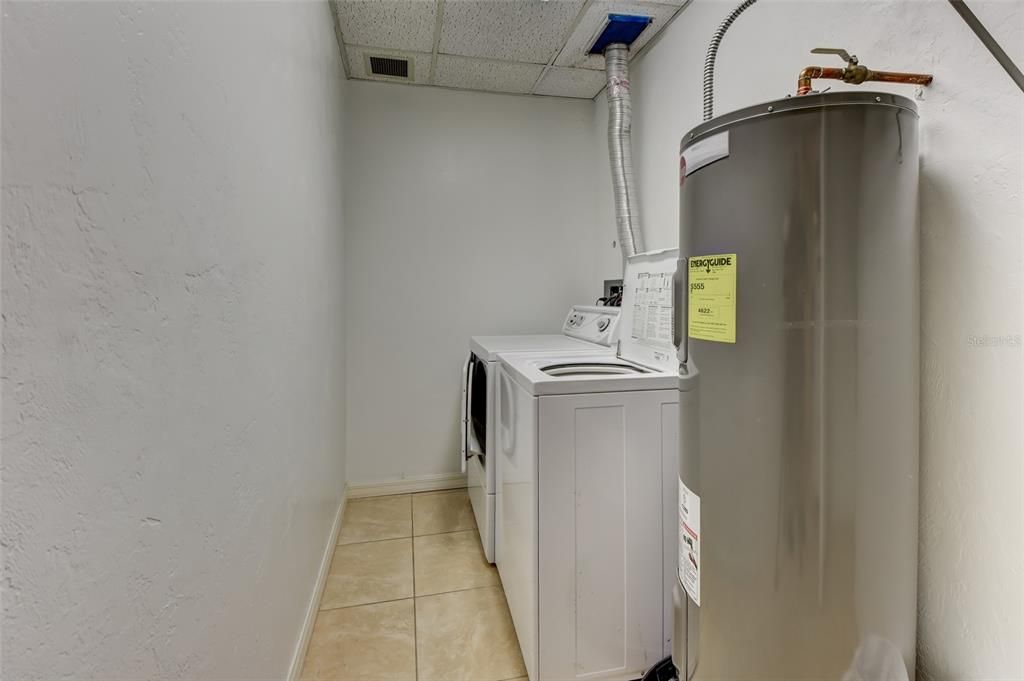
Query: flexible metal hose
[
  {"x": 620, "y": 150},
  {"x": 712, "y": 55}
]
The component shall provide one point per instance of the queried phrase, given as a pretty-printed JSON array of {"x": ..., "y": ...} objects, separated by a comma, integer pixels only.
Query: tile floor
[{"x": 411, "y": 597}]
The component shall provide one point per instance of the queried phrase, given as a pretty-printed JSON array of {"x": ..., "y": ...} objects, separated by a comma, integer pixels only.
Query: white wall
[
  {"x": 465, "y": 215},
  {"x": 972, "y": 221},
  {"x": 172, "y": 298}
]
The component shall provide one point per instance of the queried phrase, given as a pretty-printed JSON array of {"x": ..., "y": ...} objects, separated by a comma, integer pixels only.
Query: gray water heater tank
[{"x": 799, "y": 447}]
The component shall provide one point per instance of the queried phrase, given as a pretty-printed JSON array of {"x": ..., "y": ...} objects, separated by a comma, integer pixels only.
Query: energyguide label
[{"x": 711, "y": 308}]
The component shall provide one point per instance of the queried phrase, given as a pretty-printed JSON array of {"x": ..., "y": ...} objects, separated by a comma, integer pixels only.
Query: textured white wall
[
  {"x": 465, "y": 214},
  {"x": 971, "y": 623},
  {"x": 173, "y": 364}
]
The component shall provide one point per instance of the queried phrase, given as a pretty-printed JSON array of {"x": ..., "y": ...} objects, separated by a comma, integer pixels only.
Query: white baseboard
[
  {"x": 422, "y": 483},
  {"x": 318, "y": 591}
]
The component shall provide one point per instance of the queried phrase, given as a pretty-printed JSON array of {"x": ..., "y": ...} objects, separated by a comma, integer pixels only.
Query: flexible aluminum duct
[
  {"x": 620, "y": 150},
  {"x": 712, "y": 55}
]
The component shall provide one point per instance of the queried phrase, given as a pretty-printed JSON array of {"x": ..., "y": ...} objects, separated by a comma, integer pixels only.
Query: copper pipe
[
  {"x": 803, "y": 83},
  {"x": 855, "y": 75},
  {"x": 897, "y": 77}
]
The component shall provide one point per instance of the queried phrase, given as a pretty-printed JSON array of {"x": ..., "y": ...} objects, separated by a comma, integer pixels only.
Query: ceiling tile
[
  {"x": 583, "y": 83},
  {"x": 511, "y": 30},
  {"x": 420, "y": 62},
  {"x": 479, "y": 74},
  {"x": 394, "y": 24},
  {"x": 575, "y": 52}
]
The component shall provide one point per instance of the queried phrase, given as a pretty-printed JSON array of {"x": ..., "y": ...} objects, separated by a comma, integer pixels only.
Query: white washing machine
[
  {"x": 587, "y": 329},
  {"x": 586, "y": 517}
]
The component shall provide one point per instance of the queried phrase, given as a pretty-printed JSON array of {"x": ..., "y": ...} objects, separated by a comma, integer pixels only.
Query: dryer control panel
[{"x": 593, "y": 323}]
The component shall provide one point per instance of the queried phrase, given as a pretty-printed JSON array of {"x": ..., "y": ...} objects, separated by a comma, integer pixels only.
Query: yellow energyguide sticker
[{"x": 712, "y": 299}]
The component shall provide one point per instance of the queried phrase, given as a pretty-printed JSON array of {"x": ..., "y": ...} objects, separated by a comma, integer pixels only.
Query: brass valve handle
[{"x": 843, "y": 54}]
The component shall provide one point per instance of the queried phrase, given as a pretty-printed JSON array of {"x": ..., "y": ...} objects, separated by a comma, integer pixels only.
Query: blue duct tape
[{"x": 621, "y": 28}]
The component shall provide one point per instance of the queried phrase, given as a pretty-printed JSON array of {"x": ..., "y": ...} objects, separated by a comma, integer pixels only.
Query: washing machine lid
[
  {"x": 645, "y": 328},
  {"x": 488, "y": 348},
  {"x": 578, "y": 373}
]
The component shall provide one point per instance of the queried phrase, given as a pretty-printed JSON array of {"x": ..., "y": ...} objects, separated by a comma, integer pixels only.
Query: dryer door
[
  {"x": 464, "y": 429},
  {"x": 476, "y": 430}
]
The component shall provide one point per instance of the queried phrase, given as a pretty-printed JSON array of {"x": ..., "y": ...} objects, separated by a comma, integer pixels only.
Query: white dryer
[
  {"x": 587, "y": 458},
  {"x": 587, "y": 329}
]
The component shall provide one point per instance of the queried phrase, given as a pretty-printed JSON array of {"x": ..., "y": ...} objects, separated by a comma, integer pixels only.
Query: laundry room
[{"x": 364, "y": 340}]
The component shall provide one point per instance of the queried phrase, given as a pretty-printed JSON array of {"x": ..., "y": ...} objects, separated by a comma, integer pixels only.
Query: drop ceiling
[{"x": 536, "y": 47}]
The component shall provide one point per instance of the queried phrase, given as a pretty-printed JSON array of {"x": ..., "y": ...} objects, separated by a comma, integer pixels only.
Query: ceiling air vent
[{"x": 389, "y": 67}]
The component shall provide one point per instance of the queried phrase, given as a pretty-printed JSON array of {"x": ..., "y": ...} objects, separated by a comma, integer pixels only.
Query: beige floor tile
[
  {"x": 366, "y": 643},
  {"x": 369, "y": 573},
  {"x": 450, "y": 562},
  {"x": 442, "y": 512},
  {"x": 376, "y": 518},
  {"x": 466, "y": 636}
]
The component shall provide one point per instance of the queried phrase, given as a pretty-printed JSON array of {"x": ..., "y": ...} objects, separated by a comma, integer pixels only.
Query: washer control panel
[{"x": 593, "y": 323}]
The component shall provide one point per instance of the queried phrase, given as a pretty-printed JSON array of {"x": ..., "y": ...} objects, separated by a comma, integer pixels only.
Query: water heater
[{"x": 798, "y": 326}]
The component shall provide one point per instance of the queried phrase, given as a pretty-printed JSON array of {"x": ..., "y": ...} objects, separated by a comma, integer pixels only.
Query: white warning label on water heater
[
  {"x": 703, "y": 153},
  {"x": 689, "y": 542}
]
